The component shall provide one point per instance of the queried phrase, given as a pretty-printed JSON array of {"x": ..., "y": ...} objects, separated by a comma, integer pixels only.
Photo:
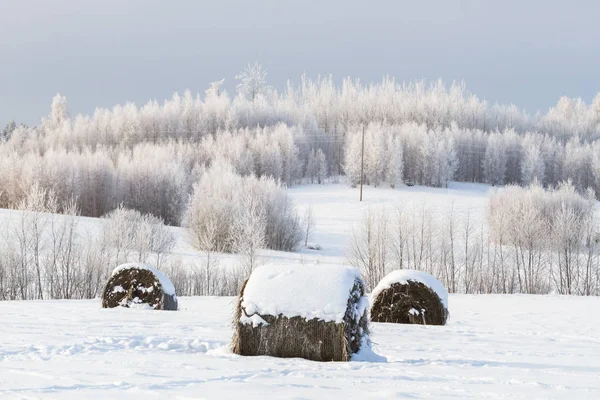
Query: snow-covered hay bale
[
  {"x": 139, "y": 285},
  {"x": 316, "y": 312},
  {"x": 409, "y": 297}
]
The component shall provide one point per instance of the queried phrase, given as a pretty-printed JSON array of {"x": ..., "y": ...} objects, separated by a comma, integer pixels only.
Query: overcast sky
[{"x": 100, "y": 53}]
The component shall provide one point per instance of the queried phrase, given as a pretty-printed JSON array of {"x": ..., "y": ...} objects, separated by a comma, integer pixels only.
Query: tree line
[{"x": 156, "y": 175}]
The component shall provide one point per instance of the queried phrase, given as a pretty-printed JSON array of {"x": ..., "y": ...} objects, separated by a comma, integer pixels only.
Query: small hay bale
[
  {"x": 316, "y": 312},
  {"x": 410, "y": 297},
  {"x": 139, "y": 285}
]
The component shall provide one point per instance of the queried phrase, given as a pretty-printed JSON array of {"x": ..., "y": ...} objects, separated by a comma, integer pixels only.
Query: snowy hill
[{"x": 336, "y": 210}]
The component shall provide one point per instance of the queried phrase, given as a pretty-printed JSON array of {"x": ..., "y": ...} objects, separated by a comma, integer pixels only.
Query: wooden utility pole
[{"x": 362, "y": 160}]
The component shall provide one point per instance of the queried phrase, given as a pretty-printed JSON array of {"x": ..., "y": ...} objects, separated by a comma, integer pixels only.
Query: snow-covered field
[
  {"x": 495, "y": 346},
  {"x": 337, "y": 210},
  {"x": 515, "y": 346}
]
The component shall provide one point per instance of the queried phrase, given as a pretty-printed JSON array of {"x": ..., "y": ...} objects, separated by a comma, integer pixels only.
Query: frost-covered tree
[
  {"x": 352, "y": 159},
  {"x": 252, "y": 82},
  {"x": 438, "y": 161},
  {"x": 217, "y": 201},
  {"x": 494, "y": 162},
  {"x": 370, "y": 246},
  {"x": 395, "y": 161},
  {"x": 533, "y": 167},
  {"x": 312, "y": 166},
  {"x": 448, "y": 162},
  {"x": 374, "y": 155},
  {"x": 59, "y": 114},
  {"x": 249, "y": 231},
  {"x": 316, "y": 168},
  {"x": 8, "y": 130},
  {"x": 546, "y": 232},
  {"x": 308, "y": 222}
]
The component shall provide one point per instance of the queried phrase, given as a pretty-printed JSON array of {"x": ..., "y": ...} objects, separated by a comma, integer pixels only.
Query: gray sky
[{"x": 104, "y": 52}]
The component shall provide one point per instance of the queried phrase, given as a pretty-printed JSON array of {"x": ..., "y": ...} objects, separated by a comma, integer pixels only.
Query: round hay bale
[
  {"x": 139, "y": 286},
  {"x": 314, "y": 312},
  {"x": 410, "y": 297}
]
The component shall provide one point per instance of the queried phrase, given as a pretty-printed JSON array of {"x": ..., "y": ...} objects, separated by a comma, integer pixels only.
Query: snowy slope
[
  {"x": 336, "y": 210},
  {"x": 514, "y": 346}
]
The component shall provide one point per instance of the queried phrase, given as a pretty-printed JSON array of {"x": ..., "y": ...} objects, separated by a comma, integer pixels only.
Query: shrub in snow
[
  {"x": 410, "y": 297},
  {"x": 139, "y": 285},
  {"x": 230, "y": 213},
  {"x": 544, "y": 224},
  {"x": 317, "y": 312},
  {"x": 130, "y": 233}
]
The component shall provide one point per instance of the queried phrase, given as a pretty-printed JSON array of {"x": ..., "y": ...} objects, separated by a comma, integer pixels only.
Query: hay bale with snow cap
[
  {"x": 409, "y": 297},
  {"x": 137, "y": 285},
  {"x": 316, "y": 312}
]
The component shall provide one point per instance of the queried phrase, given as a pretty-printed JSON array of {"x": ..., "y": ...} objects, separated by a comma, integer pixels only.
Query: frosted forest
[{"x": 219, "y": 165}]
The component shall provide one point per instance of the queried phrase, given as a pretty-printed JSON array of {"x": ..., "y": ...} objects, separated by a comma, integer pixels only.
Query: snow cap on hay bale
[
  {"x": 409, "y": 297},
  {"x": 139, "y": 285},
  {"x": 316, "y": 312}
]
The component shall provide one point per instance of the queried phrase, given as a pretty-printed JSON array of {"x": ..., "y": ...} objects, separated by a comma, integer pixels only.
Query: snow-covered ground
[
  {"x": 512, "y": 346},
  {"x": 500, "y": 346},
  {"x": 337, "y": 209}
]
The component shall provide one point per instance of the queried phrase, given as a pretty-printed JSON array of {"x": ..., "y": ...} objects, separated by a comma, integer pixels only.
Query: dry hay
[
  {"x": 133, "y": 287},
  {"x": 297, "y": 337},
  {"x": 409, "y": 303}
]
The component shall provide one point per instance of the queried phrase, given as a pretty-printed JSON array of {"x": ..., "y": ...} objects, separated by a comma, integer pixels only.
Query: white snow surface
[
  {"x": 311, "y": 291},
  {"x": 495, "y": 347},
  {"x": 402, "y": 276},
  {"x": 165, "y": 283}
]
